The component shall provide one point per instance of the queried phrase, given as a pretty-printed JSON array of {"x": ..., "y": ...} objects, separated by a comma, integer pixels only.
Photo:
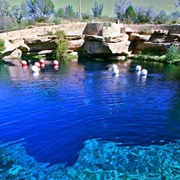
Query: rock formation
[{"x": 107, "y": 40}]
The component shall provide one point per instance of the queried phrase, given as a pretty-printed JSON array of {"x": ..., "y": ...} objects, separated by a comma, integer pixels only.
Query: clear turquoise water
[{"x": 80, "y": 122}]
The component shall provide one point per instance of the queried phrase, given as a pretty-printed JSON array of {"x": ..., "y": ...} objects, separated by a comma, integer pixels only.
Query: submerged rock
[{"x": 97, "y": 160}]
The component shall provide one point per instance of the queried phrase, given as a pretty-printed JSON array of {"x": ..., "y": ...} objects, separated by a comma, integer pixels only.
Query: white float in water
[
  {"x": 138, "y": 68},
  {"x": 42, "y": 61},
  {"x": 23, "y": 63},
  {"x": 55, "y": 63},
  {"x": 34, "y": 68},
  {"x": 144, "y": 72},
  {"x": 37, "y": 64},
  {"x": 115, "y": 69},
  {"x": 36, "y": 73}
]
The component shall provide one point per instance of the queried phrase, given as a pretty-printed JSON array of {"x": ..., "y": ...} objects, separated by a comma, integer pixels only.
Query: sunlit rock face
[
  {"x": 105, "y": 41},
  {"x": 15, "y": 54},
  {"x": 92, "y": 39},
  {"x": 152, "y": 37},
  {"x": 41, "y": 43},
  {"x": 93, "y": 29}
]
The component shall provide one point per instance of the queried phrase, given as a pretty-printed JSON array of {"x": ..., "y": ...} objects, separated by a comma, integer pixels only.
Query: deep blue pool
[{"x": 56, "y": 112}]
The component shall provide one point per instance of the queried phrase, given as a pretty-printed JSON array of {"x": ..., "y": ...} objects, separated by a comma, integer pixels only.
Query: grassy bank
[{"x": 171, "y": 56}]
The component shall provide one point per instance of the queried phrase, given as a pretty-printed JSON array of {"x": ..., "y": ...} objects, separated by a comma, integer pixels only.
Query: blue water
[{"x": 56, "y": 112}]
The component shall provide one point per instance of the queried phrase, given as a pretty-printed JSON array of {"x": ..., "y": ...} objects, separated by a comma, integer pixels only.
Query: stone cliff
[{"x": 108, "y": 40}]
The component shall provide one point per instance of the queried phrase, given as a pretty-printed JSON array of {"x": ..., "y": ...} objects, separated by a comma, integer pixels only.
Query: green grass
[
  {"x": 173, "y": 55},
  {"x": 153, "y": 58}
]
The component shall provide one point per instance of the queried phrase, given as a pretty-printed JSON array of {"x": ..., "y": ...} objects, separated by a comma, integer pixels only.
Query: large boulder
[
  {"x": 40, "y": 43},
  {"x": 95, "y": 48},
  {"x": 93, "y": 29},
  {"x": 96, "y": 45},
  {"x": 119, "y": 48},
  {"x": 11, "y": 45}
]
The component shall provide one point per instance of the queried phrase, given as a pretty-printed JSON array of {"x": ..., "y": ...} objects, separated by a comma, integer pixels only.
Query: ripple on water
[{"x": 96, "y": 160}]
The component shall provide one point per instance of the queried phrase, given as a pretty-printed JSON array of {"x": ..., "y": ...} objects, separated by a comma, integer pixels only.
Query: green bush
[
  {"x": 173, "y": 55},
  {"x": 2, "y": 45},
  {"x": 85, "y": 16},
  {"x": 62, "y": 45}
]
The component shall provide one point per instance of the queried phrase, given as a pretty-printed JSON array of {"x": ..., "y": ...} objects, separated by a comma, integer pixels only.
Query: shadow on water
[{"x": 94, "y": 65}]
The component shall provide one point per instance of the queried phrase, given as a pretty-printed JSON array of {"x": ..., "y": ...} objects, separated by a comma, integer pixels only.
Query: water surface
[{"x": 55, "y": 113}]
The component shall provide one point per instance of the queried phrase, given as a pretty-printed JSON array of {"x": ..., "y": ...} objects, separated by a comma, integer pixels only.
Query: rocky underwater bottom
[{"x": 97, "y": 160}]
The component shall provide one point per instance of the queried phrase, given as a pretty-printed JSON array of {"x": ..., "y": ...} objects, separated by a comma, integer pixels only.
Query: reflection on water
[{"x": 80, "y": 122}]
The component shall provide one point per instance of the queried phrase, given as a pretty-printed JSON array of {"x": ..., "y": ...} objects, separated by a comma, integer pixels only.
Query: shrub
[
  {"x": 161, "y": 18},
  {"x": 97, "y": 9},
  {"x": 62, "y": 45},
  {"x": 39, "y": 10},
  {"x": 2, "y": 45},
  {"x": 173, "y": 55},
  {"x": 85, "y": 16},
  {"x": 130, "y": 14}
]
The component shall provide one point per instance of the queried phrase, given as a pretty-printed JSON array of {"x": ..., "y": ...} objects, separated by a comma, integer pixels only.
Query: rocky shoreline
[{"x": 96, "y": 40}]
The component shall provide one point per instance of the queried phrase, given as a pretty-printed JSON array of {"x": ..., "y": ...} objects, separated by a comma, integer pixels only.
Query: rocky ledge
[{"x": 93, "y": 39}]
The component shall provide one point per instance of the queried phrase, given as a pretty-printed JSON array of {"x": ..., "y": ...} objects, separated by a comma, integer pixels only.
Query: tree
[
  {"x": 97, "y": 9},
  {"x": 69, "y": 12},
  {"x": 144, "y": 15},
  {"x": 175, "y": 17},
  {"x": 18, "y": 13},
  {"x": 120, "y": 8},
  {"x": 161, "y": 18},
  {"x": 4, "y": 15},
  {"x": 130, "y": 14},
  {"x": 62, "y": 45},
  {"x": 40, "y": 10},
  {"x": 175, "y": 14},
  {"x": 61, "y": 13},
  {"x": 177, "y": 3}
]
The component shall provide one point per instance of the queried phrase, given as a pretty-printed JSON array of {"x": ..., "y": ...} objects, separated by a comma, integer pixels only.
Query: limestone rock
[
  {"x": 75, "y": 37},
  {"x": 94, "y": 48},
  {"x": 120, "y": 48},
  {"x": 112, "y": 30},
  {"x": 139, "y": 37},
  {"x": 16, "y": 54},
  {"x": 93, "y": 29},
  {"x": 94, "y": 38},
  {"x": 75, "y": 44},
  {"x": 40, "y": 43},
  {"x": 160, "y": 32},
  {"x": 115, "y": 39},
  {"x": 96, "y": 45},
  {"x": 153, "y": 46},
  {"x": 11, "y": 45}
]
